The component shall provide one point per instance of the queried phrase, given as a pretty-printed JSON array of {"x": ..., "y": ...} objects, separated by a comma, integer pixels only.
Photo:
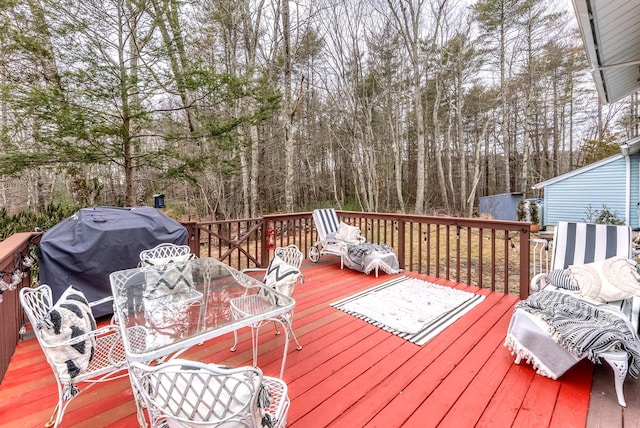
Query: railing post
[
  {"x": 401, "y": 243},
  {"x": 193, "y": 234},
  {"x": 264, "y": 252},
  {"x": 525, "y": 259}
]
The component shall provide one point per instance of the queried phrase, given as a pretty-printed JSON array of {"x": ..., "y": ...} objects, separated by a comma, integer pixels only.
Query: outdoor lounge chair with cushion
[
  {"x": 77, "y": 351},
  {"x": 282, "y": 274},
  {"x": 183, "y": 393},
  {"x": 346, "y": 242},
  {"x": 333, "y": 235},
  {"x": 588, "y": 303}
]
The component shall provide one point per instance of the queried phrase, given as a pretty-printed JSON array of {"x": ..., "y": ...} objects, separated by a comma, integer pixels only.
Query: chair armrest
[
  {"x": 248, "y": 270},
  {"x": 538, "y": 282},
  {"x": 101, "y": 301},
  {"x": 95, "y": 334}
]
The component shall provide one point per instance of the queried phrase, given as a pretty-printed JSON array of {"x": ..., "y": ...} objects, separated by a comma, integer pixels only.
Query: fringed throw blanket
[
  {"x": 583, "y": 329},
  {"x": 358, "y": 252},
  {"x": 366, "y": 257}
]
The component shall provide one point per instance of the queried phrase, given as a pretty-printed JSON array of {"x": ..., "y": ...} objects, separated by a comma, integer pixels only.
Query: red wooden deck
[{"x": 352, "y": 374}]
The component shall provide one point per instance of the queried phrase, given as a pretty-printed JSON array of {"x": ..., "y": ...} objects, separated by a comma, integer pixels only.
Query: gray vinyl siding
[{"x": 569, "y": 199}]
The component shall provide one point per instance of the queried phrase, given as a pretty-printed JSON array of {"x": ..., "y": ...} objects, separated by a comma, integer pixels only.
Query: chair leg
[
  {"x": 285, "y": 324},
  {"x": 235, "y": 341},
  {"x": 619, "y": 362},
  {"x": 54, "y": 417},
  {"x": 291, "y": 332},
  {"x": 286, "y": 320},
  {"x": 275, "y": 324},
  {"x": 140, "y": 404},
  {"x": 254, "y": 344}
]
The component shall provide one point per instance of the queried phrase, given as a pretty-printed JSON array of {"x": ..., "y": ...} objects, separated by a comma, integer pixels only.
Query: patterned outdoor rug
[{"x": 413, "y": 309}]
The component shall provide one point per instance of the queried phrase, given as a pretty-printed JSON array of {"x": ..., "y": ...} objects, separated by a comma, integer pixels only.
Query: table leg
[{"x": 254, "y": 344}]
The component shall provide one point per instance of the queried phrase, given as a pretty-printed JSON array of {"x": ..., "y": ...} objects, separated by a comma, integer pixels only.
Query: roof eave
[
  {"x": 588, "y": 32},
  {"x": 586, "y": 168}
]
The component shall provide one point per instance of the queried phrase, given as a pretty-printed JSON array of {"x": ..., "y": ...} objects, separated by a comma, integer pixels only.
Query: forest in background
[{"x": 239, "y": 108}]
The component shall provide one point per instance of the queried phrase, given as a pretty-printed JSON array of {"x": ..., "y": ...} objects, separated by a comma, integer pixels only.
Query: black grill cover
[{"x": 85, "y": 248}]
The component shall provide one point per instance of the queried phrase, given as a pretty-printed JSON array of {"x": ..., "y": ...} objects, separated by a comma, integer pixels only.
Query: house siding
[{"x": 569, "y": 199}]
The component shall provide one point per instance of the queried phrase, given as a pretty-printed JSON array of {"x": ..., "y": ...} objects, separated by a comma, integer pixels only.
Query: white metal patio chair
[
  {"x": 333, "y": 235},
  {"x": 165, "y": 253},
  {"x": 79, "y": 354},
  {"x": 282, "y": 274},
  {"x": 172, "y": 273},
  {"x": 575, "y": 244},
  {"x": 183, "y": 393}
]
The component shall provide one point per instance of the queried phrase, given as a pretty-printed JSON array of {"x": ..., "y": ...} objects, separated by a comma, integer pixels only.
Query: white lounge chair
[
  {"x": 333, "y": 236},
  {"x": 528, "y": 335}
]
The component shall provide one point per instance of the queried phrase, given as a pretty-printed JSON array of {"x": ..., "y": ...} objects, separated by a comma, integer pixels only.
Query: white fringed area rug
[{"x": 413, "y": 309}]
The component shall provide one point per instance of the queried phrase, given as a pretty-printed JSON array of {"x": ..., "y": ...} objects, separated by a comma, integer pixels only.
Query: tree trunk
[
  {"x": 438, "y": 146},
  {"x": 477, "y": 173},
  {"x": 287, "y": 111}
]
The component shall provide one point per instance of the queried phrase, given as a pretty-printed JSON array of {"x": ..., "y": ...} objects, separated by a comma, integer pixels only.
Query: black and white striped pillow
[{"x": 561, "y": 279}]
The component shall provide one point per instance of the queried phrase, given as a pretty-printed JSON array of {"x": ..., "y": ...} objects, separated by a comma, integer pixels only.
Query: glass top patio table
[{"x": 164, "y": 310}]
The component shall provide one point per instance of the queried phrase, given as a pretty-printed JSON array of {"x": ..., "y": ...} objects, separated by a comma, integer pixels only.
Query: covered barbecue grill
[{"x": 85, "y": 248}]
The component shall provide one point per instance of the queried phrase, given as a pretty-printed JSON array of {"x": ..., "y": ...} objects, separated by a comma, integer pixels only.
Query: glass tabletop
[{"x": 165, "y": 309}]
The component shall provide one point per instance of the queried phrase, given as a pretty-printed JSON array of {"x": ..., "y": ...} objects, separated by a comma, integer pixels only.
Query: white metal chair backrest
[
  {"x": 196, "y": 394},
  {"x": 290, "y": 255},
  {"x": 581, "y": 243},
  {"x": 165, "y": 253},
  {"x": 36, "y": 302},
  {"x": 326, "y": 221}
]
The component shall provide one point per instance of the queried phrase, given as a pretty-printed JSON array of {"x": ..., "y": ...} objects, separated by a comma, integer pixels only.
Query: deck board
[
  {"x": 435, "y": 407},
  {"x": 573, "y": 401},
  {"x": 434, "y": 361},
  {"x": 352, "y": 374}
]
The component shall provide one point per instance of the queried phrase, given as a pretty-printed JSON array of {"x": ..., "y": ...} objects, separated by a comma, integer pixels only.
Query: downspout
[{"x": 624, "y": 149}]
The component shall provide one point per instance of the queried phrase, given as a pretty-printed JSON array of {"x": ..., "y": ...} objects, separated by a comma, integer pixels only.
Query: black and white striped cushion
[
  {"x": 580, "y": 243},
  {"x": 561, "y": 279},
  {"x": 326, "y": 221}
]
